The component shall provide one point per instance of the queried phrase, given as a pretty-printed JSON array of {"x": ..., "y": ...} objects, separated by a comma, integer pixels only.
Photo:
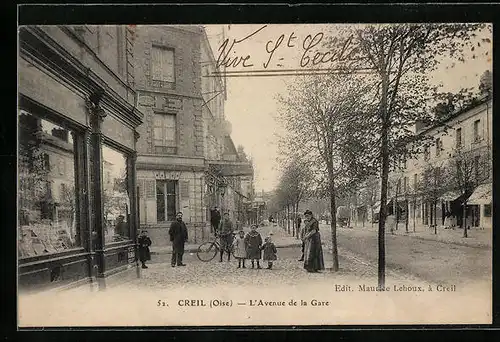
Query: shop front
[{"x": 77, "y": 205}]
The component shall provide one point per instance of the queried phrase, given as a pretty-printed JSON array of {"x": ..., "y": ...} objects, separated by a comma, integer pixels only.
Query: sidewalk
[
  {"x": 478, "y": 238},
  {"x": 280, "y": 238}
]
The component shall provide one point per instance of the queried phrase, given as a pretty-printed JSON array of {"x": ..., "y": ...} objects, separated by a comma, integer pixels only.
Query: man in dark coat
[
  {"x": 178, "y": 235},
  {"x": 226, "y": 236},
  {"x": 215, "y": 219}
]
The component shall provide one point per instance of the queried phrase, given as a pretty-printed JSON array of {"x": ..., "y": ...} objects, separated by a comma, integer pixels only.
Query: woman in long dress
[{"x": 313, "y": 252}]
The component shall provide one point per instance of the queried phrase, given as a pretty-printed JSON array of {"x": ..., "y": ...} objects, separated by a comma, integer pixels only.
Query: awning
[
  {"x": 481, "y": 195},
  {"x": 451, "y": 195}
]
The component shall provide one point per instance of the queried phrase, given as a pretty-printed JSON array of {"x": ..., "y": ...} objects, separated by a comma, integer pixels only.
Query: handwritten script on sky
[{"x": 312, "y": 51}]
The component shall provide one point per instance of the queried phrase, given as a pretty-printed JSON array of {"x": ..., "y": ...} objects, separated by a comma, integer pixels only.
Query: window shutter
[
  {"x": 156, "y": 62},
  {"x": 170, "y": 129},
  {"x": 150, "y": 188},
  {"x": 168, "y": 65}
]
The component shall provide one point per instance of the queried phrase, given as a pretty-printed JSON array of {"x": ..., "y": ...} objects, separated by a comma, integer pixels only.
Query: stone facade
[{"x": 184, "y": 90}]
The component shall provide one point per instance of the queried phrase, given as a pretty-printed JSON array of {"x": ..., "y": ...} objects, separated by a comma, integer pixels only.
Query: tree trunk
[
  {"x": 414, "y": 212},
  {"x": 407, "y": 214},
  {"x": 464, "y": 220},
  {"x": 435, "y": 217},
  {"x": 396, "y": 210},
  {"x": 298, "y": 228},
  {"x": 384, "y": 151},
  {"x": 333, "y": 222}
]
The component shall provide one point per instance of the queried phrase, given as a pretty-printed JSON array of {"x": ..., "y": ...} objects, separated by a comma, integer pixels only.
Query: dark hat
[{"x": 308, "y": 212}]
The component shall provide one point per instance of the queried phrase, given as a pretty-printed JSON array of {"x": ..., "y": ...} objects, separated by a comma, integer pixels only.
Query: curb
[{"x": 194, "y": 250}]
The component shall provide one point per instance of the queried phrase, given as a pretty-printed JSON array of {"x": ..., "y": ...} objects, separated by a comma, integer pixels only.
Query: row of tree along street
[{"x": 355, "y": 123}]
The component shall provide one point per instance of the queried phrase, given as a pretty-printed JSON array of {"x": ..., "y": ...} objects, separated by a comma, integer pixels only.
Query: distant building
[
  {"x": 468, "y": 130},
  {"x": 465, "y": 131}
]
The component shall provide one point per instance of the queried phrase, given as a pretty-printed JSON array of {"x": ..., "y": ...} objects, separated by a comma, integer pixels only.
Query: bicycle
[{"x": 208, "y": 250}]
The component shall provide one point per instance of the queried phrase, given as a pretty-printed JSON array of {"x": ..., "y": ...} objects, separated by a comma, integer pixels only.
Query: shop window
[
  {"x": 162, "y": 66},
  {"x": 46, "y": 199},
  {"x": 487, "y": 210},
  {"x": 116, "y": 201},
  {"x": 165, "y": 133},
  {"x": 166, "y": 200}
]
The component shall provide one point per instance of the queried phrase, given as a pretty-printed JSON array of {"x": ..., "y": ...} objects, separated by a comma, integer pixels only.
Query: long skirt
[{"x": 313, "y": 254}]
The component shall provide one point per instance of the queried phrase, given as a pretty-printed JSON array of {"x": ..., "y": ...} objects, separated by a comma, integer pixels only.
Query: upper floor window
[
  {"x": 439, "y": 146},
  {"x": 458, "y": 137},
  {"x": 477, "y": 133},
  {"x": 426, "y": 153},
  {"x": 165, "y": 133},
  {"x": 162, "y": 65}
]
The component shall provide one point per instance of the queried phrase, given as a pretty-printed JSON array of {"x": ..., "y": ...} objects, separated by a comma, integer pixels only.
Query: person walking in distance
[
  {"x": 240, "y": 252},
  {"x": 313, "y": 251},
  {"x": 178, "y": 235},
  {"x": 226, "y": 236},
  {"x": 253, "y": 242}
]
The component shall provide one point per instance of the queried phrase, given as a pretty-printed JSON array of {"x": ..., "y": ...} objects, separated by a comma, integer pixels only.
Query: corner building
[
  {"x": 184, "y": 128},
  {"x": 77, "y": 123}
]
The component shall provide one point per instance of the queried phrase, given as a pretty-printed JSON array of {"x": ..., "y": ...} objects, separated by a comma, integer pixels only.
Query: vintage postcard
[{"x": 235, "y": 175}]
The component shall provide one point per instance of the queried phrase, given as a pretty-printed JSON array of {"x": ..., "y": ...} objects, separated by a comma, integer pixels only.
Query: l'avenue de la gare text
[{"x": 407, "y": 288}]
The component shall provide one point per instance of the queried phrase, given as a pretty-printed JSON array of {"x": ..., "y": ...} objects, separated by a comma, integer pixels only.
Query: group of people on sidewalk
[{"x": 249, "y": 246}]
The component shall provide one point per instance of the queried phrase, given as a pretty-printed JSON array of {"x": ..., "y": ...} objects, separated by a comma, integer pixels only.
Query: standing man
[
  {"x": 215, "y": 219},
  {"x": 226, "y": 236},
  {"x": 178, "y": 235}
]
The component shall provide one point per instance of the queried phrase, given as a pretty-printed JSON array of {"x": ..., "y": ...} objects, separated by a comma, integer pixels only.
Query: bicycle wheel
[{"x": 207, "y": 251}]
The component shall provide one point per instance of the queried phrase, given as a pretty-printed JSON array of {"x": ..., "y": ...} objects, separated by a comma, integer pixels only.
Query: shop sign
[
  {"x": 172, "y": 103},
  {"x": 117, "y": 131}
]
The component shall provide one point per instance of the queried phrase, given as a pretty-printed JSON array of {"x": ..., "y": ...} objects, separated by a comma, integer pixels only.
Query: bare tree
[
  {"x": 400, "y": 57},
  {"x": 318, "y": 116}
]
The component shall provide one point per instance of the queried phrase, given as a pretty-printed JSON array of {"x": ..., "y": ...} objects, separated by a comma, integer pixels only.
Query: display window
[
  {"x": 47, "y": 189},
  {"x": 116, "y": 200}
]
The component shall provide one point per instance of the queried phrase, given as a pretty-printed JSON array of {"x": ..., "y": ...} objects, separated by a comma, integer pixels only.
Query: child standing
[
  {"x": 269, "y": 252},
  {"x": 144, "y": 242},
  {"x": 253, "y": 242},
  {"x": 240, "y": 248}
]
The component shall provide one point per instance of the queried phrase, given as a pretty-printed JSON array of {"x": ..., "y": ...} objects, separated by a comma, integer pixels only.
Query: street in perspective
[{"x": 255, "y": 174}]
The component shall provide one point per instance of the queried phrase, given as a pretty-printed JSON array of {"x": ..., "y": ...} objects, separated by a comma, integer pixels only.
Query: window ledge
[{"x": 33, "y": 260}]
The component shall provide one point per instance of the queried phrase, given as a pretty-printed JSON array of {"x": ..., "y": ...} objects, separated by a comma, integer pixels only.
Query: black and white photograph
[{"x": 254, "y": 174}]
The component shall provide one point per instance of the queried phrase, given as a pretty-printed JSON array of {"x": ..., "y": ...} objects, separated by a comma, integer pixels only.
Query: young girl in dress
[
  {"x": 269, "y": 252},
  {"x": 240, "y": 252},
  {"x": 144, "y": 242}
]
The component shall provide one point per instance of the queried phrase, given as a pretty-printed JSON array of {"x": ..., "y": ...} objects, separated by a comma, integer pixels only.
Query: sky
[{"x": 251, "y": 104}]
